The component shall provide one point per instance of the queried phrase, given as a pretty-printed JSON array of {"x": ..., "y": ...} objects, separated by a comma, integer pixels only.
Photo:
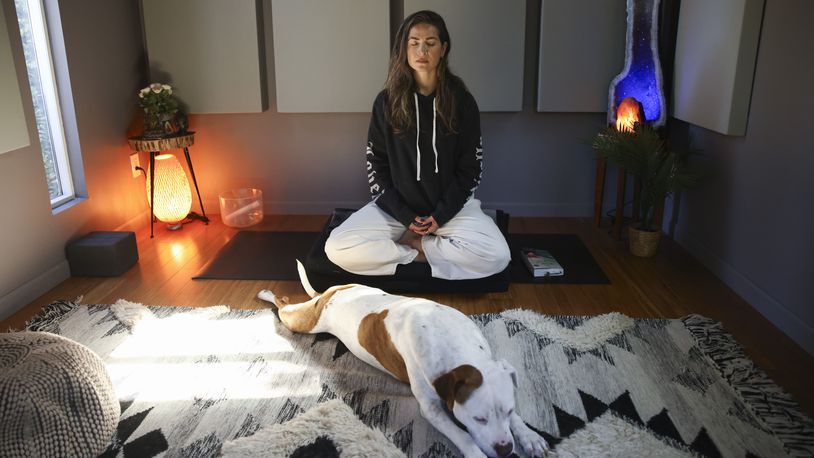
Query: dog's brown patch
[
  {"x": 303, "y": 317},
  {"x": 458, "y": 384},
  {"x": 329, "y": 293},
  {"x": 374, "y": 338}
]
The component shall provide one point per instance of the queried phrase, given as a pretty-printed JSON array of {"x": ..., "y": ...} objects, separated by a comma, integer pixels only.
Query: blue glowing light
[{"x": 641, "y": 77}]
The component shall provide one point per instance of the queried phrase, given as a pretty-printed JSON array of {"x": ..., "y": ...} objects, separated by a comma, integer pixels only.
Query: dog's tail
[
  {"x": 281, "y": 302},
  {"x": 306, "y": 285},
  {"x": 268, "y": 296}
]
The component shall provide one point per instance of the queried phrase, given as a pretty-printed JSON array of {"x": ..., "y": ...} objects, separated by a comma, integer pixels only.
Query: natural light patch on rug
[
  {"x": 200, "y": 354},
  {"x": 191, "y": 379},
  {"x": 200, "y": 331}
]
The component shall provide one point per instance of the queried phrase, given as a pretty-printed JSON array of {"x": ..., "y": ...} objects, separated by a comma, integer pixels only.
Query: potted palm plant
[{"x": 659, "y": 170}]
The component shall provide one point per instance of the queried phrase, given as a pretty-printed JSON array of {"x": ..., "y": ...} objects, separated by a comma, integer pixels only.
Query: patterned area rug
[
  {"x": 327, "y": 430},
  {"x": 190, "y": 379}
]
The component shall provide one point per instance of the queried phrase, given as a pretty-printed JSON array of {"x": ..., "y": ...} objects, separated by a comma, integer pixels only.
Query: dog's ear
[
  {"x": 445, "y": 387},
  {"x": 457, "y": 384},
  {"x": 510, "y": 369}
]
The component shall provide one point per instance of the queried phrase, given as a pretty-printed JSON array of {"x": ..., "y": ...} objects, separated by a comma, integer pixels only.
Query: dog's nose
[{"x": 503, "y": 448}]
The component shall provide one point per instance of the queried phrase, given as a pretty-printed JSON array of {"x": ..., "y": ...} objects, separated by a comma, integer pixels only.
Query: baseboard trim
[
  {"x": 12, "y": 302},
  {"x": 760, "y": 300},
  {"x": 532, "y": 209},
  {"x": 291, "y": 207},
  {"x": 566, "y": 210},
  {"x": 309, "y": 208},
  {"x": 135, "y": 223},
  {"x": 326, "y": 207}
]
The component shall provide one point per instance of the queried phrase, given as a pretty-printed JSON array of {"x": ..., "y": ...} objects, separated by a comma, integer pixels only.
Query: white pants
[{"x": 468, "y": 246}]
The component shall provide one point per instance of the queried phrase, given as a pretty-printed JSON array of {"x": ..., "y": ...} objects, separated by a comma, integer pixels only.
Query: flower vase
[{"x": 158, "y": 125}]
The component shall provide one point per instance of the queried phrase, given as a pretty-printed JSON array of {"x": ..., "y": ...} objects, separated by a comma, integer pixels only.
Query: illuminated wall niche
[{"x": 641, "y": 76}]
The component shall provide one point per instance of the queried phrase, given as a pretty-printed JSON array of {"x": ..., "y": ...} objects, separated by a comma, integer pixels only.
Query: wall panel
[
  {"x": 716, "y": 51},
  {"x": 209, "y": 51},
  {"x": 488, "y": 40},
  {"x": 330, "y": 56},
  {"x": 582, "y": 47}
]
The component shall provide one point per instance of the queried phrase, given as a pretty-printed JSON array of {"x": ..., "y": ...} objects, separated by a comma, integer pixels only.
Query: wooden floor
[{"x": 670, "y": 285}]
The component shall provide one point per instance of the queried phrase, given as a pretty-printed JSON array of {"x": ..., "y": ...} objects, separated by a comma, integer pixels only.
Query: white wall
[
  {"x": 536, "y": 164},
  {"x": 750, "y": 218},
  {"x": 106, "y": 66}
]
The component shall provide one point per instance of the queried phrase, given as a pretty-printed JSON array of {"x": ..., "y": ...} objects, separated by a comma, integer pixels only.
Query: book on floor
[{"x": 540, "y": 263}]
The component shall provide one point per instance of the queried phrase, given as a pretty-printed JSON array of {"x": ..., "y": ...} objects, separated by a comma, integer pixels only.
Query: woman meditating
[{"x": 424, "y": 161}]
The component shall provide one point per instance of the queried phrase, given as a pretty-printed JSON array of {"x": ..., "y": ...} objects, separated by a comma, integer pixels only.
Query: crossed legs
[{"x": 371, "y": 242}]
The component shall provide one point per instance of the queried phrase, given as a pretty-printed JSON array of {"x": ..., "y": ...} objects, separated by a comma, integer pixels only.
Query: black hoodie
[{"x": 432, "y": 175}]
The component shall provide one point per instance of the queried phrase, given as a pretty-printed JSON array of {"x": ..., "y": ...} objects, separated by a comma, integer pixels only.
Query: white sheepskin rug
[{"x": 329, "y": 429}]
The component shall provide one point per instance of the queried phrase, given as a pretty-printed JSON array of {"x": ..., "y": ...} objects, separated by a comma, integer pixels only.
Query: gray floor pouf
[{"x": 56, "y": 398}]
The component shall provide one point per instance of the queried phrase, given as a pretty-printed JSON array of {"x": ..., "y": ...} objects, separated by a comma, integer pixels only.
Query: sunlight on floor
[
  {"x": 200, "y": 333},
  {"x": 197, "y": 354},
  {"x": 174, "y": 381}
]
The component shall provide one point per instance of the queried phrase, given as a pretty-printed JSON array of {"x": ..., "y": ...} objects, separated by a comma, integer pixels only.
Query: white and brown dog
[{"x": 436, "y": 349}]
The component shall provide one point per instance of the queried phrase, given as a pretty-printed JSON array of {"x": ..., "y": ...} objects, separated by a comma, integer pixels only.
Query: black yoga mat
[
  {"x": 263, "y": 255},
  {"x": 260, "y": 255},
  {"x": 578, "y": 265}
]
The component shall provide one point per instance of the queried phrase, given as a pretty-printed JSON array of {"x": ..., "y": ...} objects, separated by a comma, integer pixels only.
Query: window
[{"x": 45, "y": 95}]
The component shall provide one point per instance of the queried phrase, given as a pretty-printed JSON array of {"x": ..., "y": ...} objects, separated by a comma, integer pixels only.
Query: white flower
[
  {"x": 141, "y": 95},
  {"x": 156, "y": 87},
  {"x": 144, "y": 91},
  {"x": 167, "y": 87}
]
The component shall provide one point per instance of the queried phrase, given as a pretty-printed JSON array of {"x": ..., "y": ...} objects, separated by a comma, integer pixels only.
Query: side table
[
  {"x": 599, "y": 194},
  {"x": 166, "y": 143},
  {"x": 621, "y": 182}
]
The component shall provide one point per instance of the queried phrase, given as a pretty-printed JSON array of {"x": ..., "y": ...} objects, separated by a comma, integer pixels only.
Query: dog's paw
[{"x": 532, "y": 444}]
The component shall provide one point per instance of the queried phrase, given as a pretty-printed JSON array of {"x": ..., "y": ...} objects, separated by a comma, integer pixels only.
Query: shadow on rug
[{"x": 191, "y": 379}]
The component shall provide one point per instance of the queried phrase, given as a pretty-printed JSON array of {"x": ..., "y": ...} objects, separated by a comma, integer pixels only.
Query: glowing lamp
[
  {"x": 173, "y": 198},
  {"x": 628, "y": 114}
]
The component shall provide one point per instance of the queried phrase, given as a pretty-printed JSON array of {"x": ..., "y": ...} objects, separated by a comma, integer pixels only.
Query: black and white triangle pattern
[
  {"x": 147, "y": 445},
  {"x": 578, "y": 376},
  {"x": 660, "y": 426}
]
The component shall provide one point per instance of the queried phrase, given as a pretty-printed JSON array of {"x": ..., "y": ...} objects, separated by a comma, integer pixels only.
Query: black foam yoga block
[{"x": 102, "y": 254}]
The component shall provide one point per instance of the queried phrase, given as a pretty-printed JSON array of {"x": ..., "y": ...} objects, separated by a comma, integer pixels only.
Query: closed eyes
[{"x": 481, "y": 420}]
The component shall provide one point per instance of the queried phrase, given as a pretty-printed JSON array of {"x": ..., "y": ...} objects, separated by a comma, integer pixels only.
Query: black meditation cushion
[{"x": 415, "y": 277}]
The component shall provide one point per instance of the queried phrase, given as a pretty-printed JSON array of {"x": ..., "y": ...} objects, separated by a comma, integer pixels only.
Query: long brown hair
[{"x": 400, "y": 83}]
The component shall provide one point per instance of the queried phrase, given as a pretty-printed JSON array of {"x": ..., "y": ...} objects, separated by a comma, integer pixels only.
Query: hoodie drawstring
[
  {"x": 433, "y": 135},
  {"x": 417, "y": 132},
  {"x": 417, "y": 148}
]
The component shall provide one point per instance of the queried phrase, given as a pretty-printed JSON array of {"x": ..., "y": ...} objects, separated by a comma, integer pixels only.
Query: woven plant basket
[{"x": 643, "y": 243}]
